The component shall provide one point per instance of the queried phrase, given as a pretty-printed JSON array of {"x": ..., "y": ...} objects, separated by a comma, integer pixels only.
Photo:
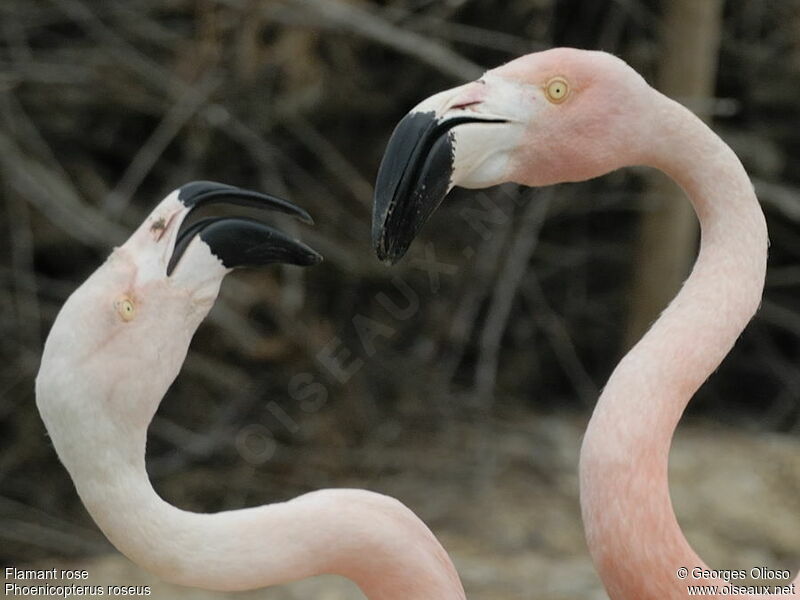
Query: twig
[
  {"x": 334, "y": 161},
  {"x": 118, "y": 47},
  {"x": 10, "y": 507},
  {"x": 22, "y": 257},
  {"x": 445, "y": 27},
  {"x": 189, "y": 102},
  {"x": 52, "y": 540},
  {"x": 778, "y": 315},
  {"x": 560, "y": 341},
  {"x": 133, "y": 17},
  {"x": 465, "y": 314},
  {"x": 783, "y": 198},
  {"x": 56, "y": 199},
  {"x": 22, "y": 127},
  {"x": 785, "y": 403},
  {"x": 46, "y": 287},
  {"x": 505, "y": 291},
  {"x": 476, "y": 36},
  {"x": 337, "y": 15}
]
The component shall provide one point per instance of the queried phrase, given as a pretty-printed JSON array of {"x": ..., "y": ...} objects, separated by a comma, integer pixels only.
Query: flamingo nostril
[
  {"x": 465, "y": 105},
  {"x": 160, "y": 226}
]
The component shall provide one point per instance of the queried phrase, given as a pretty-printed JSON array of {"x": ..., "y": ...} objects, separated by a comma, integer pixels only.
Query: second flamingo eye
[
  {"x": 126, "y": 309},
  {"x": 557, "y": 90}
]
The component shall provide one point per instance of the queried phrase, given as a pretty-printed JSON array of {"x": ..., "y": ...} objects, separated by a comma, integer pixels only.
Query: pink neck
[
  {"x": 632, "y": 532},
  {"x": 369, "y": 538}
]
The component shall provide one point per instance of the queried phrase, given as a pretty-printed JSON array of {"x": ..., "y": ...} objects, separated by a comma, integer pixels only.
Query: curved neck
[
  {"x": 632, "y": 532},
  {"x": 369, "y": 538}
]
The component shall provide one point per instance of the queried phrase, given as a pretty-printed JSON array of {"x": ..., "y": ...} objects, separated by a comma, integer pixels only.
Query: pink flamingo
[
  {"x": 571, "y": 115},
  {"x": 115, "y": 348}
]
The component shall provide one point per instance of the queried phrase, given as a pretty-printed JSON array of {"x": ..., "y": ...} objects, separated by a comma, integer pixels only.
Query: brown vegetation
[{"x": 511, "y": 301}]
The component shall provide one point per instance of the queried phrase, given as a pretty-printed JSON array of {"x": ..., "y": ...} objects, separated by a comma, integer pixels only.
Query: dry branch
[
  {"x": 56, "y": 198},
  {"x": 505, "y": 290},
  {"x": 347, "y": 18}
]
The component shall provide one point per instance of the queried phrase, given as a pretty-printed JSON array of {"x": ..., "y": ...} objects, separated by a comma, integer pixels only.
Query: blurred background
[{"x": 459, "y": 381}]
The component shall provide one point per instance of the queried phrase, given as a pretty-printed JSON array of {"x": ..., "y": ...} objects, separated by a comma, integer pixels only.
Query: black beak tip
[
  {"x": 390, "y": 261},
  {"x": 414, "y": 177},
  {"x": 195, "y": 192},
  {"x": 199, "y": 193},
  {"x": 390, "y": 253},
  {"x": 240, "y": 242},
  {"x": 311, "y": 258}
]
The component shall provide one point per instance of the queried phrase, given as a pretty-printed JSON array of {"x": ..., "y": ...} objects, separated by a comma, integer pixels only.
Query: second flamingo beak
[
  {"x": 238, "y": 241},
  {"x": 421, "y": 164}
]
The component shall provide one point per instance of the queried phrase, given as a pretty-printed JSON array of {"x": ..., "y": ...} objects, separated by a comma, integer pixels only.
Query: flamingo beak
[
  {"x": 238, "y": 241},
  {"x": 419, "y": 165}
]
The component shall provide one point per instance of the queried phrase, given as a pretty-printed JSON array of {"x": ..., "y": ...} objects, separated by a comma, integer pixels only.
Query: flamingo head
[
  {"x": 122, "y": 336},
  {"x": 548, "y": 117}
]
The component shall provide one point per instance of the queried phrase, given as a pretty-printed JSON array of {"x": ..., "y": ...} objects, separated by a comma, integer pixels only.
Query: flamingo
[
  {"x": 114, "y": 349},
  {"x": 566, "y": 115}
]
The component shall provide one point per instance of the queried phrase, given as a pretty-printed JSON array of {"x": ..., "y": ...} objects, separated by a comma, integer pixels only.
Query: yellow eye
[
  {"x": 126, "y": 309},
  {"x": 557, "y": 90}
]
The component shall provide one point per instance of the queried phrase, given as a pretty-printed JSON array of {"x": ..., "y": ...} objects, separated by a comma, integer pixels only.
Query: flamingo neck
[
  {"x": 369, "y": 538},
  {"x": 631, "y": 528}
]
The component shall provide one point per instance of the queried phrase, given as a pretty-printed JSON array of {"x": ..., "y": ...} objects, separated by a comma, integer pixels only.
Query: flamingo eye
[
  {"x": 557, "y": 90},
  {"x": 125, "y": 307}
]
